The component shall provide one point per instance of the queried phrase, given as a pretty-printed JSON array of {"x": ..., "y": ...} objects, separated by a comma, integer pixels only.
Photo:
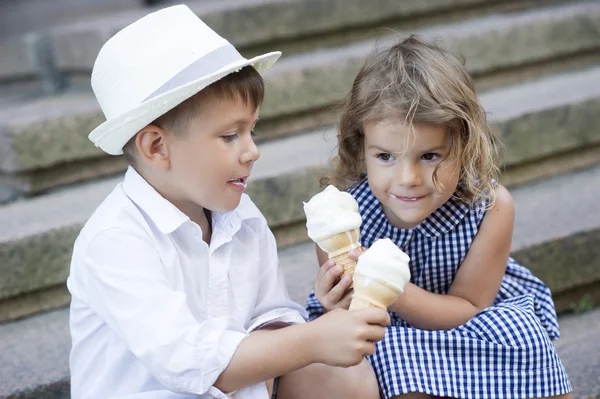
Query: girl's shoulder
[
  {"x": 362, "y": 192},
  {"x": 453, "y": 214},
  {"x": 368, "y": 204}
]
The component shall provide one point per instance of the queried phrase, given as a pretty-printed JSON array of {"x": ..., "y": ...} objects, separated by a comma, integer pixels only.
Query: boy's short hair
[{"x": 246, "y": 85}]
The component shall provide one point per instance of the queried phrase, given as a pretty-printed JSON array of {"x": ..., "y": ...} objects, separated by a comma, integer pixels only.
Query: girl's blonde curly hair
[{"x": 421, "y": 83}]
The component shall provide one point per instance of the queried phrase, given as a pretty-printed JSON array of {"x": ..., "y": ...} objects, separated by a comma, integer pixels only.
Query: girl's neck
[{"x": 396, "y": 222}]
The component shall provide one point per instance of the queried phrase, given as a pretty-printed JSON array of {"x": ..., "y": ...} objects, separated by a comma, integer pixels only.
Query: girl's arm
[{"x": 477, "y": 281}]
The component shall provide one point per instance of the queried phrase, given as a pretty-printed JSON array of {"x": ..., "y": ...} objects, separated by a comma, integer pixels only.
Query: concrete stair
[
  {"x": 44, "y": 141},
  {"x": 551, "y": 116},
  {"x": 536, "y": 63},
  {"x": 37, "y": 353}
]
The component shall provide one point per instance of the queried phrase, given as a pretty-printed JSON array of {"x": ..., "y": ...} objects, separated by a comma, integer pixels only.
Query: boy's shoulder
[{"x": 117, "y": 211}]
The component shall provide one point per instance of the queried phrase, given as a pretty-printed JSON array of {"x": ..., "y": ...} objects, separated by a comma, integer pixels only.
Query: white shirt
[{"x": 158, "y": 313}]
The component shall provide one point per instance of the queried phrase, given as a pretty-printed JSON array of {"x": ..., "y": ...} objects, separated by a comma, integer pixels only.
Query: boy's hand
[
  {"x": 344, "y": 338},
  {"x": 332, "y": 291}
]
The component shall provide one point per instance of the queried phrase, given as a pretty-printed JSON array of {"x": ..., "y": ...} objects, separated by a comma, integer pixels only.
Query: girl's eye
[
  {"x": 384, "y": 157},
  {"x": 252, "y": 133},
  {"x": 430, "y": 156},
  {"x": 229, "y": 138}
]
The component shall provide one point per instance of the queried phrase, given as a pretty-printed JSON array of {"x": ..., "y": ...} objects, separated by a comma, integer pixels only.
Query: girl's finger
[
  {"x": 337, "y": 292},
  {"x": 345, "y": 301},
  {"x": 355, "y": 253},
  {"x": 325, "y": 267},
  {"x": 331, "y": 276}
]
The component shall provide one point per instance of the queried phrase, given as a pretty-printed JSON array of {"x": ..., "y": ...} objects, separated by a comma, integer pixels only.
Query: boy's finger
[
  {"x": 337, "y": 292},
  {"x": 374, "y": 333},
  {"x": 375, "y": 316}
]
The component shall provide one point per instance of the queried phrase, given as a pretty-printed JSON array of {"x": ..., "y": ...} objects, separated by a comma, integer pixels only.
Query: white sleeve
[
  {"x": 126, "y": 285},
  {"x": 273, "y": 304}
]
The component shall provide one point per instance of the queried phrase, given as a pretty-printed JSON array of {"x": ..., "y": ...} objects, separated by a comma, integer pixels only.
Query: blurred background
[{"x": 536, "y": 64}]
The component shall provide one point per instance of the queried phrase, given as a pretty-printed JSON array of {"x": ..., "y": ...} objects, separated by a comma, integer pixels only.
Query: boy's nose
[{"x": 251, "y": 154}]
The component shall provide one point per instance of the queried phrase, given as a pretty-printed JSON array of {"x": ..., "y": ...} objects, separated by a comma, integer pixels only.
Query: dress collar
[{"x": 376, "y": 225}]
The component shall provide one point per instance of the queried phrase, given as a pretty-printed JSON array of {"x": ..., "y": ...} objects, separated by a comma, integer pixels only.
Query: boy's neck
[
  {"x": 207, "y": 228},
  {"x": 197, "y": 214}
]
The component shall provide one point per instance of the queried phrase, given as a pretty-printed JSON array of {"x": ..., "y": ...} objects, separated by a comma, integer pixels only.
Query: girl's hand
[{"x": 330, "y": 290}]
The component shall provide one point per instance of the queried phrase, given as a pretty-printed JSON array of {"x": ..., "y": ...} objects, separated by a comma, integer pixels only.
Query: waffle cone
[
  {"x": 373, "y": 292},
  {"x": 347, "y": 263},
  {"x": 360, "y": 303},
  {"x": 337, "y": 248}
]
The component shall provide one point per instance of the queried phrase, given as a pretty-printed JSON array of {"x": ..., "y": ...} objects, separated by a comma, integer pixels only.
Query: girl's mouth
[{"x": 410, "y": 200}]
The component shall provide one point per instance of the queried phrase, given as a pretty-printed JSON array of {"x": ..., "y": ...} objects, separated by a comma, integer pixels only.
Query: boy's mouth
[{"x": 239, "y": 183}]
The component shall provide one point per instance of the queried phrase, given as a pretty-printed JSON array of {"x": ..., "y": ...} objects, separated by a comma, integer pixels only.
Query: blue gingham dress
[{"x": 505, "y": 351}]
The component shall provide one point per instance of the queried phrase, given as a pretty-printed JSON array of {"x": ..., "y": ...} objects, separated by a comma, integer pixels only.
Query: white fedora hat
[{"x": 153, "y": 65}]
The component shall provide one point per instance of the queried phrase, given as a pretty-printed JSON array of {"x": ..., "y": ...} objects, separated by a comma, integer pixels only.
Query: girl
[{"x": 473, "y": 323}]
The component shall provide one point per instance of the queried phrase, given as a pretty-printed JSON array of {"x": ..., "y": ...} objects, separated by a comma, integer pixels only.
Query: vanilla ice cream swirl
[
  {"x": 331, "y": 212},
  {"x": 385, "y": 261}
]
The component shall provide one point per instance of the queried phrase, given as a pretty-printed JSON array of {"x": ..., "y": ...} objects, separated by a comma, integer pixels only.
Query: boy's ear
[{"x": 153, "y": 146}]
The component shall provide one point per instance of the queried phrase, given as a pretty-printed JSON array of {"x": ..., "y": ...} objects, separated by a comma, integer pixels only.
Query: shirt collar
[{"x": 168, "y": 218}]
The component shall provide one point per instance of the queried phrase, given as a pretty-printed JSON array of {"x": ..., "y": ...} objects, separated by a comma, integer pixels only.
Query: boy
[{"x": 176, "y": 291}]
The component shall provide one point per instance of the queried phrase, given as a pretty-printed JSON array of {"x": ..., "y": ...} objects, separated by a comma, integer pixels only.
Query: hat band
[{"x": 203, "y": 66}]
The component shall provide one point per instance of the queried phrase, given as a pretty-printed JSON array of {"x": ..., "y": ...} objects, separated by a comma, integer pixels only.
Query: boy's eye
[
  {"x": 252, "y": 133},
  {"x": 384, "y": 157},
  {"x": 430, "y": 156},
  {"x": 229, "y": 138}
]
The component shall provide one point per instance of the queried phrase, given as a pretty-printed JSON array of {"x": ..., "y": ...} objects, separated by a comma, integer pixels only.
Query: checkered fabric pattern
[{"x": 504, "y": 352}]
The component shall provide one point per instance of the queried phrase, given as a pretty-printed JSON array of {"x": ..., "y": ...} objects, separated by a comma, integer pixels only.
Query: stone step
[
  {"x": 321, "y": 77},
  {"x": 535, "y": 120},
  {"x": 555, "y": 238},
  {"x": 44, "y": 143},
  {"x": 22, "y": 16},
  {"x": 37, "y": 355},
  {"x": 73, "y": 46}
]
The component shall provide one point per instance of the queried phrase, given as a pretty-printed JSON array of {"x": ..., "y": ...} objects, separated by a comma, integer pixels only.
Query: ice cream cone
[
  {"x": 338, "y": 246},
  {"x": 373, "y": 292}
]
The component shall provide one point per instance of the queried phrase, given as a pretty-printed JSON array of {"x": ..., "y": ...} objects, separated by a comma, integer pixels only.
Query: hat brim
[{"x": 114, "y": 133}]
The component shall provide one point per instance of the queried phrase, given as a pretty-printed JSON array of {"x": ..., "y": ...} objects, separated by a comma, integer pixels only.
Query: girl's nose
[
  {"x": 408, "y": 175},
  {"x": 251, "y": 153}
]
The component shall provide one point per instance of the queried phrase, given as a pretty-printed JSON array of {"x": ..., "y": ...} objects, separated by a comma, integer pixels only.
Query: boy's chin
[{"x": 226, "y": 206}]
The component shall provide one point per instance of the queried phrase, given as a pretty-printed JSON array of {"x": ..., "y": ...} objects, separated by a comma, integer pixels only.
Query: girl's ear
[{"x": 152, "y": 143}]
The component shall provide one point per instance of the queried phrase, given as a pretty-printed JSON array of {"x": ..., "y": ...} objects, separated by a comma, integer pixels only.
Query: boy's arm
[
  {"x": 340, "y": 338},
  {"x": 477, "y": 281},
  {"x": 281, "y": 351}
]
